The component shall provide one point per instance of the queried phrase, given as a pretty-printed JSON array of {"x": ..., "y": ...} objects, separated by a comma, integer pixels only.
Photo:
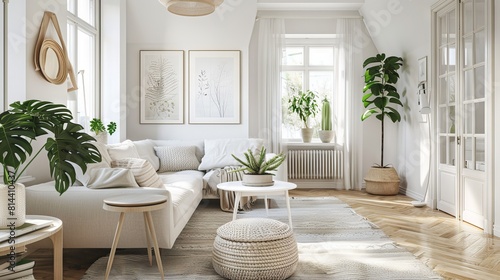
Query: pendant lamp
[{"x": 191, "y": 7}]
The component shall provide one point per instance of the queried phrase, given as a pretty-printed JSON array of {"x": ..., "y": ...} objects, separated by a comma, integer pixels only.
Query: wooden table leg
[
  {"x": 147, "y": 239},
  {"x": 57, "y": 243},
  {"x": 115, "y": 244},
  {"x": 155, "y": 244},
  {"x": 288, "y": 207},
  {"x": 236, "y": 204}
]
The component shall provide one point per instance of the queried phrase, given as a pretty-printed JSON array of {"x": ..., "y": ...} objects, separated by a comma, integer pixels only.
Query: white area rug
[{"x": 333, "y": 241}]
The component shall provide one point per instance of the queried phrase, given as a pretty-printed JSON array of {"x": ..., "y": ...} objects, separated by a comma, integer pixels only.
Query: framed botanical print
[
  {"x": 162, "y": 87},
  {"x": 214, "y": 87}
]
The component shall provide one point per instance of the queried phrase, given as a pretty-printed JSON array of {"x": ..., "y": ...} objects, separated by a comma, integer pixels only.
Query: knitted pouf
[{"x": 255, "y": 248}]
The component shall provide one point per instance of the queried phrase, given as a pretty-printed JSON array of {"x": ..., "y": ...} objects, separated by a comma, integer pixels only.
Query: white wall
[
  {"x": 24, "y": 82},
  {"x": 151, "y": 27},
  {"x": 402, "y": 28},
  {"x": 496, "y": 122}
]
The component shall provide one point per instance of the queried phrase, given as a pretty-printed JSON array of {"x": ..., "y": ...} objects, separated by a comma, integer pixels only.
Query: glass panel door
[
  {"x": 447, "y": 109},
  {"x": 473, "y": 113}
]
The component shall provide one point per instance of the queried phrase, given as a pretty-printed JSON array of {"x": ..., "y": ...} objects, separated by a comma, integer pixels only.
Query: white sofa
[{"x": 87, "y": 225}]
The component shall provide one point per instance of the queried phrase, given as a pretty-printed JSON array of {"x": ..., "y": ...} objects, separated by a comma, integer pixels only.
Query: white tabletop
[
  {"x": 135, "y": 200},
  {"x": 236, "y": 186}
]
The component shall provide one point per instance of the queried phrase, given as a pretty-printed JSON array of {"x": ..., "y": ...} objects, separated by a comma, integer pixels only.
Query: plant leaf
[{"x": 368, "y": 113}]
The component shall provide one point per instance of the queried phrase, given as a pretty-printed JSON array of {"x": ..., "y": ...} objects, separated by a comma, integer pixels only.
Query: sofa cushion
[
  {"x": 177, "y": 158},
  {"x": 125, "y": 149},
  {"x": 199, "y": 145},
  {"x": 218, "y": 152},
  {"x": 145, "y": 149},
  {"x": 103, "y": 178},
  {"x": 144, "y": 173}
]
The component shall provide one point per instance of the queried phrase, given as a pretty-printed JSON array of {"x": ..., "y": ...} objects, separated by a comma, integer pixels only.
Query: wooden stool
[{"x": 136, "y": 203}]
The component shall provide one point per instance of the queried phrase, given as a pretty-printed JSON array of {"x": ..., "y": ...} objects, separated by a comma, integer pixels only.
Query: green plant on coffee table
[
  {"x": 25, "y": 122},
  {"x": 97, "y": 126},
  {"x": 259, "y": 165}
]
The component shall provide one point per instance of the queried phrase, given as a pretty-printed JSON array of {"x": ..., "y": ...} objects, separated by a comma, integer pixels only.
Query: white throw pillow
[
  {"x": 125, "y": 149},
  {"x": 102, "y": 178},
  {"x": 143, "y": 171},
  {"x": 83, "y": 179},
  {"x": 177, "y": 158},
  {"x": 145, "y": 149},
  {"x": 218, "y": 151}
]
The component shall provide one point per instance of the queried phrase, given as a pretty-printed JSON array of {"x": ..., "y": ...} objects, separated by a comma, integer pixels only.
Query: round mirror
[{"x": 52, "y": 62}]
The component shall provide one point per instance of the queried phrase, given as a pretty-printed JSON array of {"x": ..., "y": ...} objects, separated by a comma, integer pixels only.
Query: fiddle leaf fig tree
[
  {"x": 28, "y": 120},
  {"x": 380, "y": 94}
]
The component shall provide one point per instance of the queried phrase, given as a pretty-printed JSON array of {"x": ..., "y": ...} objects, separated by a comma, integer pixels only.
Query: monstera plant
[
  {"x": 28, "y": 120},
  {"x": 380, "y": 100}
]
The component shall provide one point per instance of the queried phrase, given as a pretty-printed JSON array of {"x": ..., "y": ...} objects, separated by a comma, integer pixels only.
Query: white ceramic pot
[
  {"x": 12, "y": 205},
  {"x": 326, "y": 136},
  {"x": 102, "y": 137},
  {"x": 257, "y": 180},
  {"x": 307, "y": 134}
]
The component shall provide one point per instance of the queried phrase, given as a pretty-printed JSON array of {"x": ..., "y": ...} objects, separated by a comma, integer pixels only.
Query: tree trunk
[{"x": 382, "y": 143}]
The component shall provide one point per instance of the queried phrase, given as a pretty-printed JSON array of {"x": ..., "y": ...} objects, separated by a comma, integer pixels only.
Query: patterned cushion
[
  {"x": 177, "y": 158},
  {"x": 143, "y": 171}
]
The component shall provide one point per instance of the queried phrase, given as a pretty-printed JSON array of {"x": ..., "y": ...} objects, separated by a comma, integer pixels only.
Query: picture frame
[
  {"x": 161, "y": 86},
  {"x": 422, "y": 69},
  {"x": 214, "y": 87}
]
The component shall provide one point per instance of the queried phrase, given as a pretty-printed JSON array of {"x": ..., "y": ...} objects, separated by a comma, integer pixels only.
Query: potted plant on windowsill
[
  {"x": 100, "y": 132},
  {"x": 326, "y": 133},
  {"x": 19, "y": 127},
  {"x": 256, "y": 168},
  {"x": 304, "y": 104},
  {"x": 379, "y": 94}
]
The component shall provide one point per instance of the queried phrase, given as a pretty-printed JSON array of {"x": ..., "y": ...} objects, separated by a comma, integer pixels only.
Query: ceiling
[{"x": 309, "y": 5}]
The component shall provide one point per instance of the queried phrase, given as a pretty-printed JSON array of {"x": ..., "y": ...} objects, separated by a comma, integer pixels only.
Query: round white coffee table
[
  {"x": 279, "y": 188},
  {"x": 136, "y": 203}
]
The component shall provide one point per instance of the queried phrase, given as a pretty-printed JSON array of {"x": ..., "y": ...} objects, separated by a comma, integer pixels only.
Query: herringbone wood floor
[{"x": 453, "y": 249}]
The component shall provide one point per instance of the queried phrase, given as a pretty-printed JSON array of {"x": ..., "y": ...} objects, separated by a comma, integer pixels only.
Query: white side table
[
  {"x": 136, "y": 203},
  {"x": 279, "y": 188},
  {"x": 54, "y": 231}
]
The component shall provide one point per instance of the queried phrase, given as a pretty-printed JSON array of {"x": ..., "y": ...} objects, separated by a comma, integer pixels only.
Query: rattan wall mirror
[
  {"x": 51, "y": 57},
  {"x": 52, "y": 62}
]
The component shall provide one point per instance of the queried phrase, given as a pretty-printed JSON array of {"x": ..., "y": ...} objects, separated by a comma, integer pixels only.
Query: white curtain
[
  {"x": 347, "y": 98},
  {"x": 271, "y": 44},
  {"x": 270, "y": 53}
]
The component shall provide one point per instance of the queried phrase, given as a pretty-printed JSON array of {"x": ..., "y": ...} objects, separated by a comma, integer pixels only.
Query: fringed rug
[{"x": 333, "y": 241}]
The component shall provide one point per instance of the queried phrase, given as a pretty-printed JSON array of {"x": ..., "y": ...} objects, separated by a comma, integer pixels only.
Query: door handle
[{"x": 458, "y": 140}]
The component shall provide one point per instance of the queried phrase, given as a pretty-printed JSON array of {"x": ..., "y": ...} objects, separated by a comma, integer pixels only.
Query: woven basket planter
[
  {"x": 382, "y": 181},
  {"x": 255, "y": 248}
]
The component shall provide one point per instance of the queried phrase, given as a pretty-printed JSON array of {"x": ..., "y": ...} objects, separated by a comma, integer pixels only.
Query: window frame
[
  {"x": 95, "y": 31},
  {"x": 306, "y": 69}
]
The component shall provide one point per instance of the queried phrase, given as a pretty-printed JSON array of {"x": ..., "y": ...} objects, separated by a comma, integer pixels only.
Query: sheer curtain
[
  {"x": 347, "y": 104},
  {"x": 271, "y": 44}
]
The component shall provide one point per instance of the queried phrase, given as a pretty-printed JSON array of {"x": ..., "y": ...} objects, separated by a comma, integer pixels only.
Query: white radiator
[{"x": 315, "y": 165}]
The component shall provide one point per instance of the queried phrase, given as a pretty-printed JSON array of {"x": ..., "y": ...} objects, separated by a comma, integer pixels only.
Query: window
[
  {"x": 83, "y": 51},
  {"x": 306, "y": 66}
]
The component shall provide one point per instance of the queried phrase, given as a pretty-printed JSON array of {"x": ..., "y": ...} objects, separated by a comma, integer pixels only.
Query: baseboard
[
  {"x": 337, "y": 185},
  {"x": 412, "y": 194},
  {"x": 496, "y": 230}
]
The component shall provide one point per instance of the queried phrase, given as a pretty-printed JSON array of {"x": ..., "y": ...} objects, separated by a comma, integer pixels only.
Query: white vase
[
  {"x": 101, "y": 137},
  {"x": 12, "y": 205},
  {"x": 307, "y": 134}
]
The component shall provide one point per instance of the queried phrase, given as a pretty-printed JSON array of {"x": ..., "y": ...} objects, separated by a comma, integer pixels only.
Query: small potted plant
[
  {"x": 380, "y": 94},
  {"x": 69, "y": 146},
  {"x": 256, "y": 168},
  {"x": 326, "y": 133},
  {"x": 304, "y": 104},
  {"x": 100, "y": 132}
]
